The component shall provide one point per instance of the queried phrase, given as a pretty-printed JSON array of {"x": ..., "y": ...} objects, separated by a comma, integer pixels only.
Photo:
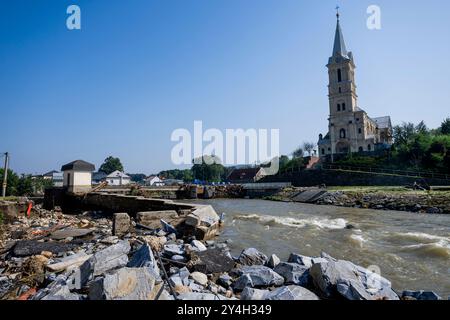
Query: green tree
[
  {"x": 137, "y": 177},
  {"x": 298, "y": 153},
  {"x": 208, "y": 168},
  {"x": 309, "y": 147},
  {"x": 13, "y": 180},
  {"x": 111, "y": 164},
  {"x": 25, "y": 186},
  {"x": 445, "y": 127}
]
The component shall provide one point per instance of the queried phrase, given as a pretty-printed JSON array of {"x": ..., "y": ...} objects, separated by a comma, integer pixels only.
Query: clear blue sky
[{"x": 139, "y": 69}]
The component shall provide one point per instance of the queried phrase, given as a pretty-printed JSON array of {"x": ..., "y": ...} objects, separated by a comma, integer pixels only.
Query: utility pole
[{"x": 5, "y": 175}]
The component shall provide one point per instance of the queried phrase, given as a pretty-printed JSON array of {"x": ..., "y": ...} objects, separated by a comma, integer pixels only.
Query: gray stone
[
  {"x": 340, "y": 277},
  {"x": 152, "y": 219},
  {"x": 130, "y": 284},
  {"x": 167, "y": 227},
  {"x": 282, "y": 293},
  {"x": 254, "y": 294},
  {"x": 121, "y": 224},
  {"x": 225, "y": 280},
  {"x": 70, "y": 233},
  {"x": 304, "y": 260},
  {"x": 202, "y": 216},
  {"x": 144, "y": 257},
  {"x": 301, "y": 293},
  {"x": 273, "y": 261},
  {"x": 242, "y": 282},
  {"x": 252, "y": 256},
  {"x": 212, "y": 261},
  {"x": 198, "y": 246},
  {"x": 421, "y": 295},
  {"x": 199, "y": 278},
  {"x": 173, "y": 249},
  {"x": 112, "y": 257},
  {"x": 293, "y": 273},
  {"x": 178, "y": 258},
  {"x": 200, "y": 296},
  {"x": 262, "y": 276}
]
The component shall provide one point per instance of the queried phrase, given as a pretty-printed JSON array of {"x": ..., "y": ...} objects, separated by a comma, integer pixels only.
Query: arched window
[
  {"x": 369, "y": 147},
  {"x": 339, "y": 107},
  {"x": 359, "y": 131},
  {"x": 360, "y": 149},
  {"x": 340, "y": 90},
  {"x": 342, "y": 134},
  {"x": 323, "y": 151},
  {"x": 339, "y": 74},
  {"x": 343, "y": 107}
]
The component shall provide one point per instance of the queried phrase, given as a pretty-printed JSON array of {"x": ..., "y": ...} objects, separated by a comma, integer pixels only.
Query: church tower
[{"x": 342, "y": 94}]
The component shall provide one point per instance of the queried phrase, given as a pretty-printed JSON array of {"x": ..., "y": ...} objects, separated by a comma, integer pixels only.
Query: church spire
[{"x": 339, "y": 43}]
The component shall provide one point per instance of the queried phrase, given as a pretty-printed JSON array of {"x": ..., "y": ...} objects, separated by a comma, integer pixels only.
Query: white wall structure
[
  {"x": 77, "y": 176},
  {"x": 118, "y": 178},
  {"x": 153, "y": 181}
]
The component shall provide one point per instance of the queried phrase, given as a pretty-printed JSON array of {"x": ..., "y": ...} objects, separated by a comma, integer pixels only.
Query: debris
[
  {"x": 121, "y": 224},
  {"x": 75, "y": 260},
  {"x": 70, "y": 233},
  {"x": 199, "y": 278},
  {"x": 110, "y": 258},
  {"x": 32, "y": 247}
]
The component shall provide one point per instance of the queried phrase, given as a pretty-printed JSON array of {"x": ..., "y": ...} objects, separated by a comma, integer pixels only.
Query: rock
[
  {"x": 252, "y": 256},
  {"x": 304, "y": 260},
  {"x": 434, "y": 210},
  {"x": 210, "y": 243},
  {"x": 167, "y": 227},
  {"x": 225, "y": 280},
  {"x": 57, "y": 290},
  {"x": 199, "y": 278},
  {"x": 144, "y": 258},
  {"x": 110, "y": 240},
  {"x": 273, "y": 261},
  {"x": 242, "y": 282},
  {"x": 198, "y": 246},
  {"x": 421, "y": 295},
  {"x": 129, "y": 284},
  {"x": 47, "y": 254},
  {"x": 282, "y": 293},
  {"x": 293, "y": 273},
  {"x": 121, "y": 224},
  {"x": 203, "y": 216},
  {"x": 153, "y": 219},
  {"x": 340, "y": 277},
  {"x": 32, "y": 247},
  {"x": 178, "y": 258},
  {"x": 70, "y": 233},
  {"x": 75, "y": 260},
  {"x": 180, "y": 289},
  {"x": 254, "y": 294},
  {"x": 201, "y": 296},
  {"x": 114, "y": 256},
  {"x": 173, "y": 249},
  {"x": 262, "y": 276},
  {"x": 211, "y": 261}
]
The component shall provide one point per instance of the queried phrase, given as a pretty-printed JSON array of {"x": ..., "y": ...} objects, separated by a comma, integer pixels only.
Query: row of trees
[
  {"x": 24, "y": 185},
  {"x": 416, "y": 147}
]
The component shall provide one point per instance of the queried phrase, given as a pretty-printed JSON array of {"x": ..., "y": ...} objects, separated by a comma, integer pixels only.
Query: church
[{"x": 350, "y": 128}]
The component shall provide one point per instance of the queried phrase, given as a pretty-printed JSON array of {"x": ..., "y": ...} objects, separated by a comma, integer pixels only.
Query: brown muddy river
[{"x": 412, "y": 250}]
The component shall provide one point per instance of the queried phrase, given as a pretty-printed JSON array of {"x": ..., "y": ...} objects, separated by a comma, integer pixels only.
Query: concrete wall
[{"x": 309, "y": 178}]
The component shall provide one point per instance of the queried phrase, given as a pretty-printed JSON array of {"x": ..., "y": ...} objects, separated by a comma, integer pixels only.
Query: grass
[
  {"x": 369, "y": 189},
  {"x": 9, "y": 198}
]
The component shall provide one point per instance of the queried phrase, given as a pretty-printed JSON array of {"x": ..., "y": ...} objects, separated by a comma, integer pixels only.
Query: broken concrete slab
[
  {"x": 70, "y": 233},
  {"x": 152, "y": 219},
  {"x": 110, "y": 258},
  {"x": 144, "y": 258},
  {"x": 128, "y": 284},
  {"x": 75, "y": 260},
  {"x": 121, "y": 224},
  {"x": 33, "y": 247},
  {"x": 203, "y": 216}
]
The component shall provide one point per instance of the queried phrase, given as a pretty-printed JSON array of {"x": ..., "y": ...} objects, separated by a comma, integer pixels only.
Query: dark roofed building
[
  {"x": 78, "y": 165},
  {"x": 246, "y": 175}
]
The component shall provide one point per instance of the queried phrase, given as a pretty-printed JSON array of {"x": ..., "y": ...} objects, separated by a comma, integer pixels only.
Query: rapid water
[{"x": 412, "y": 250}]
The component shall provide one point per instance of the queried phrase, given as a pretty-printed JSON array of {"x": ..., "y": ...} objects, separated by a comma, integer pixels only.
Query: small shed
[
  {"x": 78, "y": 176},
  {"x": 118, "y": 178}
]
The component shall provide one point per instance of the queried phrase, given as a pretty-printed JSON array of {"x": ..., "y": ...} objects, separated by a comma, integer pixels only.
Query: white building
[
  {"x": 153, "y": 181},
  {"x": 77, "y": 176},
  {"x": 118, "y": 178}
]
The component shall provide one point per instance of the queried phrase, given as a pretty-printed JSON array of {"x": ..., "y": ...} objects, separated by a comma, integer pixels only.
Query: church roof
[
  {"x": 383, "y": 122},
  {"x": 339, "y": 48}
]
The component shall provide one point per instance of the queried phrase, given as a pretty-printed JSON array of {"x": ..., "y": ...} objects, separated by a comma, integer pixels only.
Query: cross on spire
[{"x": 337, "y": 12}]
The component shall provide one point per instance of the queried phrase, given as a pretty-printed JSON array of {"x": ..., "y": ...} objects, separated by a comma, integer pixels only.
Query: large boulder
[
  {"x": 342, "y": 278},
  {"x": 293, "y": 273},
  {"x": 421, "y": 295},
  {"x": 261, "y": 276},
  {"x": 252, "y": 256},
  {"x": 126, "y": 284},
  {"x": 282, "y": 293},
  {"x": 201, "y": 296},
  {"x": 144, "y": 257},
  {"x": 112, "y": 257},
  {"x": 211, "y": 261},
  {"x": 305, "y": 260},
  {"x": 121, "y": 224}
]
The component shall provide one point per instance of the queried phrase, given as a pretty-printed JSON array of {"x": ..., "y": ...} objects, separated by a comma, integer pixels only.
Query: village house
[
  {"x": 246, "y": 175},
  {"x": 118, "y": 178},
  {"x": 153, "y": 180}
]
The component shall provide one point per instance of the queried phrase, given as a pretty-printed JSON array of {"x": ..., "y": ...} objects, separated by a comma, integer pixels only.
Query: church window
[
  {"x": 369, "y": 147},
  {"x": 350, "y": 122},
  {"x": 343, "y": 107},
  {"x": 359, "y": 130},
  {"x": 339, "y": 73},
  {"x": 339, "y": 107},
  {"x": 361, "y": 149},
  {"x": 342, "y": 134},
  {"x": 323, "y": 151},
  {"x": 340, "y": 90},
  {"x": 329, "y": 149}
]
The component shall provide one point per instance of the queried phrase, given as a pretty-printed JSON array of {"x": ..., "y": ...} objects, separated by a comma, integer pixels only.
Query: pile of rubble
[{"x": 53, "y": 256}]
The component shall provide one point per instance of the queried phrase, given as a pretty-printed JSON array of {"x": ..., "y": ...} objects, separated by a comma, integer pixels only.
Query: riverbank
[
  {"x": 89, "y": 256},
  {"x": 377, "y": 198}
]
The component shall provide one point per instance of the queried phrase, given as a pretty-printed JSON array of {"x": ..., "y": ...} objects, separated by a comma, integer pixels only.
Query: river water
[{"x": 412, "y": 250}]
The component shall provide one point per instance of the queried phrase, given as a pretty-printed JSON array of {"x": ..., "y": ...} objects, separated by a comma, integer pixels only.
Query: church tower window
[
  {"x": 342, "y": 134},
  {"x": 343, "y": 107},
  {"x": 369, "y": 147},
  {"x": 339, "y": 74},
  {"x": 338, "y": 107}
]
